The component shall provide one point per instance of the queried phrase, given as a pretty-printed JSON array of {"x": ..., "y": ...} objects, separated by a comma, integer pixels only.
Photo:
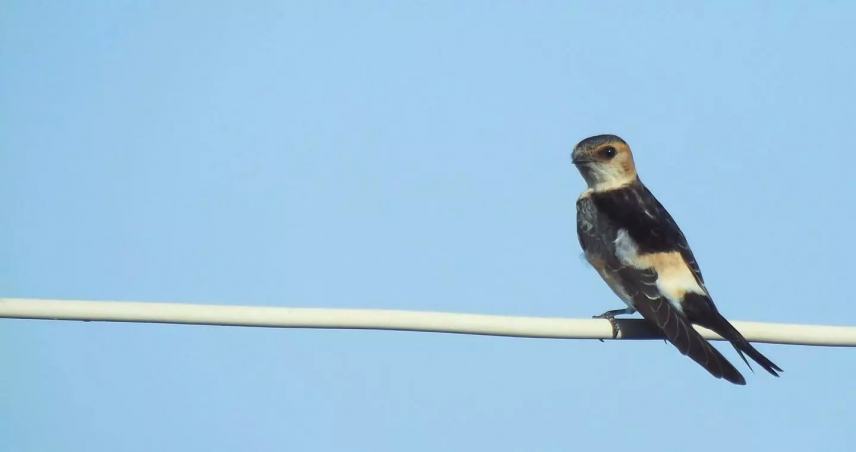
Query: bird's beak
[{"x": 578, "y": 158}]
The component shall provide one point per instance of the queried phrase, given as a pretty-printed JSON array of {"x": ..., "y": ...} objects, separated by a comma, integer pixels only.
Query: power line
[{"x": 382, "y": 319}]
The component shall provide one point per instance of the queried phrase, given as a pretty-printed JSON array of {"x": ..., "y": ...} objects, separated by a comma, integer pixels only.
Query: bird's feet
[{"x": 610, "y": 315}]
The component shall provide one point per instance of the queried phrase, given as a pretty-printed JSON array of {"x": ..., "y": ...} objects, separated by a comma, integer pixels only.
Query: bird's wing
[
  {"x": 652, "y": 228},
  {"x": 674, "y": 324}
]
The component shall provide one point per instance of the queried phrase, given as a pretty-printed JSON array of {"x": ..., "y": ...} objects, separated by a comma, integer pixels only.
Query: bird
[{"x": 640, "y": 252}]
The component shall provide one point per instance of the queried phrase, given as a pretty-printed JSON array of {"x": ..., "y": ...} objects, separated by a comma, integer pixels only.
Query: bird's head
[{"x": 605, "y": 161}]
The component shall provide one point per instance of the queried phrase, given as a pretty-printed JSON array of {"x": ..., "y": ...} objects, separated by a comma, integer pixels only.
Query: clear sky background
[{"x": 414, "y": 156}]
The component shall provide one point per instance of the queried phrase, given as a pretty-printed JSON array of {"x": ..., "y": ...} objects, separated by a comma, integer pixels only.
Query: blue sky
[{"x": 414, "y": 156}]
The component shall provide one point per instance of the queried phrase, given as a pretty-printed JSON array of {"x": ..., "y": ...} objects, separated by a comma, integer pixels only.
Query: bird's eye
[{"x": 608, "y": 152}]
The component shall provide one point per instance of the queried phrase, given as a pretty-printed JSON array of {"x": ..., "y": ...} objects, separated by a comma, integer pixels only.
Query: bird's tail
[
  {"x": 688, "y": 341},
  {"x": 725, "y": 329}
]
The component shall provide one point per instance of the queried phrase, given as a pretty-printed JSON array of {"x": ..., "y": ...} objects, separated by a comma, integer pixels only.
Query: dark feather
[
  {"x": 701, "y": 310},
  {"x": 687, "y": 340},
  {"x": 649, "y": 224}
]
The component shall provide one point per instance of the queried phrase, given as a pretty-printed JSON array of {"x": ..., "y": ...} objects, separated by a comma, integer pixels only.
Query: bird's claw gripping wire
[{"x": 610, "y": 315}]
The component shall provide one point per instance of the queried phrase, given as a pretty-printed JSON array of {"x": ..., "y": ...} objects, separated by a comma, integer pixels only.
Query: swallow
[{"x": 642, "y": 255}]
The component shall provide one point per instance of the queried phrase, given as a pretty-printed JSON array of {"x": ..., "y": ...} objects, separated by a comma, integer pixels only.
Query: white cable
[{"x": 380, "y": 319}]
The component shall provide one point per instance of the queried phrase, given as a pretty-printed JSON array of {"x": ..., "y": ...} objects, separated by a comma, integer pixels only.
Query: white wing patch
[{"x": 674, "y": 276}]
